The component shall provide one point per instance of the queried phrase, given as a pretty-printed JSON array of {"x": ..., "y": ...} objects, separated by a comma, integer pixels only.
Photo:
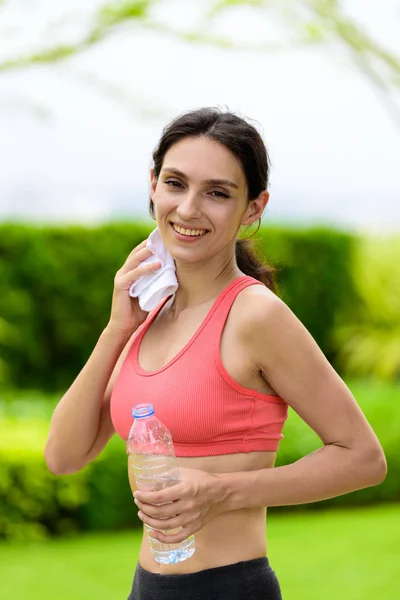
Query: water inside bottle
[{"x": 168, "y": 554}]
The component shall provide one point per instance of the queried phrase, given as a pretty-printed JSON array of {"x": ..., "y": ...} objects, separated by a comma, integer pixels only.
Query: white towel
[{"x": 152, "y": 288}]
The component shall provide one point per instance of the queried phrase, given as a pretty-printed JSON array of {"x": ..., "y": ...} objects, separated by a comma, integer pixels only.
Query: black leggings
[{"x": 248, "y": 580}]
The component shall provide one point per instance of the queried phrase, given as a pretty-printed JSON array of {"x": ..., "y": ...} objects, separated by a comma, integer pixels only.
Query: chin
[{"x": 186, "y": 257}]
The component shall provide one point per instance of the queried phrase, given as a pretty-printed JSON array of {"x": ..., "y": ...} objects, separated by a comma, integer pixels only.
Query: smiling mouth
[{"x": 189, "y": 232}]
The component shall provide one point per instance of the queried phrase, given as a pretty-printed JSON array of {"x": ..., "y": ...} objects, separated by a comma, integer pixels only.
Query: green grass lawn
[{"x": 320, "y": 555}]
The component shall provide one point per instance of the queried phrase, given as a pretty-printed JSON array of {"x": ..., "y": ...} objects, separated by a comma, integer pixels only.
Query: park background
[{"x": 85, "y": 90}]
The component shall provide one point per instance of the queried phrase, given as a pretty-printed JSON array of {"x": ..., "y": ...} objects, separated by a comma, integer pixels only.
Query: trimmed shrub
[
  {"x": 35, "y": 504},
  {"x": 367, "y": 334}
]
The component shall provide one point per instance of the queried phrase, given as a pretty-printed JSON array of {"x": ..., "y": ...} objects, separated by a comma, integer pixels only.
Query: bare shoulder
[
  {"x": 277, "y": 344},
  {"x": 270, "y": 330},
  {"x": 257, "y": 306}
]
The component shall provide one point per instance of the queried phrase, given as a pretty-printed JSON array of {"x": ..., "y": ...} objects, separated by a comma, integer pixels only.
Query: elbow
[
  {"x": 381, "y": 468},
  {"x": 58, "y": 468},
  {"x": 375, "y": 466},
  {"x": 57, "y": 465}
]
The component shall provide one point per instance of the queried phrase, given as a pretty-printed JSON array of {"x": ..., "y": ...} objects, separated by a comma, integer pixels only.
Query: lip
[{"x": 186, "y": 227}]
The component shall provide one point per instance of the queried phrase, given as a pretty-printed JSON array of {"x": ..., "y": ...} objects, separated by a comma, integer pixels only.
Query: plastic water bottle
[{"x": 153, "y": 461}]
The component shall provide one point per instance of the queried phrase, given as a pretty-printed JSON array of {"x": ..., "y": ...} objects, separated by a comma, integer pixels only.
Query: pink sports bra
[{"x": 207, "y": 412}]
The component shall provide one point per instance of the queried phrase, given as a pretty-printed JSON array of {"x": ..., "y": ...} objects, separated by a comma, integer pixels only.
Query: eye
[
  {"x": 220, "y": 194},
  {"x": 173, "y": 183}
]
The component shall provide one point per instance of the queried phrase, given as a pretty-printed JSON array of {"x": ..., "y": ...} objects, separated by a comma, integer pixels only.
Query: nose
[{"x": 189, "y": 207}]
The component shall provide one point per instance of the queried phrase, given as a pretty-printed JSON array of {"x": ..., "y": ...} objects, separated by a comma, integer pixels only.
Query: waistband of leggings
[{"x": 249, "y": 566}]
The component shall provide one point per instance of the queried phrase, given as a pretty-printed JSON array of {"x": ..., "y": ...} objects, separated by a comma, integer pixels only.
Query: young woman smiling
[{"x": 221, "y": 361}]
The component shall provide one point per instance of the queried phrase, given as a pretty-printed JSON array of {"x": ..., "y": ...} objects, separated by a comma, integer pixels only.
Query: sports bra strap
[{"x": 225, "y": 303}]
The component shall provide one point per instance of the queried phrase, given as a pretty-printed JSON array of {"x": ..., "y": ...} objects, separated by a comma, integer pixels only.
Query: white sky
[{"x": 334, "y": 148}]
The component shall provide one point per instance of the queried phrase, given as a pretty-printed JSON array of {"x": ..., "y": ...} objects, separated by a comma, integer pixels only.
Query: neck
[{"x": 199, "y": 283}]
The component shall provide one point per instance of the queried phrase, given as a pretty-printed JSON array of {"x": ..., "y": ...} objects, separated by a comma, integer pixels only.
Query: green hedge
[
  {"x": 56, "y": 287},
  {"x": 368, "y": 335},
  {"x": 35, "y": 504}
]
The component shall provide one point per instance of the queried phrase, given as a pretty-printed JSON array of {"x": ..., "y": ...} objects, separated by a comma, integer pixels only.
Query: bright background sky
[{"x": 335, "y": 150}]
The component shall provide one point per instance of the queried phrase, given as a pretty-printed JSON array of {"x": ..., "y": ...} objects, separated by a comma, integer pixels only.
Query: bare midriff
[{"x": 231, "y": 537}]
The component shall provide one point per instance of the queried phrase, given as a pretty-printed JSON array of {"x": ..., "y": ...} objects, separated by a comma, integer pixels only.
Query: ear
[
  {"x": 153, "y": 183},
  {"x": 255, "y": 209}
]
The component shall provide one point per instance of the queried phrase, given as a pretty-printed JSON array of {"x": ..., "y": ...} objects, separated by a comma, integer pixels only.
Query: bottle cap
[{"x": 139, "y": 411}]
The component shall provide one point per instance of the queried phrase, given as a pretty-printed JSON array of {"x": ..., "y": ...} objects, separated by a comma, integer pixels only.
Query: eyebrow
[{"x": 208, "y": 181}]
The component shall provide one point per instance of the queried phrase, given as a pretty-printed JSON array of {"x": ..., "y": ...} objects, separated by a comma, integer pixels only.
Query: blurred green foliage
[
  {"x": 56, "y": 286},
  {"x": 35, "y": 504},
  {"x": 367, "y": 335}
]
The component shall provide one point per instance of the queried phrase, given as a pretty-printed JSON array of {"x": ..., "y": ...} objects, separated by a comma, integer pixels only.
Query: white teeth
[{"x": 189, "y": 232}]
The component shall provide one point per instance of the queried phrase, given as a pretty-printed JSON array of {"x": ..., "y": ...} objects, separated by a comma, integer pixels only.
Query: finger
[
  {"x": 134, "y": 260},
  {"x": 138, "y": 247},
  {"x": 165, "y": 511},
  {"x": 163, "y": 524},
  {"x": 126, "y": 281},
  {"x": 139, "y": 252},
  {"x": 135, "y": 250},
  {"x": 171, "y": 494}
]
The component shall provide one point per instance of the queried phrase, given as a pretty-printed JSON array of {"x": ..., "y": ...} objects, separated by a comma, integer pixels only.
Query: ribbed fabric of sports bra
[{"x": 207, "y": 412}]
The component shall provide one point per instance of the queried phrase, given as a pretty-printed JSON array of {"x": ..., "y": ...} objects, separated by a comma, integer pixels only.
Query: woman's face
[{"x": 200, "y": 199}]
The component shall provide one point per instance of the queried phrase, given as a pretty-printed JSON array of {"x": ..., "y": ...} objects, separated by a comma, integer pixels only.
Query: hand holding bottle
[{"x": 197, "y": 499}]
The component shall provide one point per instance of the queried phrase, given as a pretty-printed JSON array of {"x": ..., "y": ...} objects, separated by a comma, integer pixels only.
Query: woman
[{"x": 221, "y": 360}]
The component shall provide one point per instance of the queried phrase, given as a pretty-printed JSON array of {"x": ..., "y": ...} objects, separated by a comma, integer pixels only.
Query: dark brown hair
[{"x": 246, "y": 144}]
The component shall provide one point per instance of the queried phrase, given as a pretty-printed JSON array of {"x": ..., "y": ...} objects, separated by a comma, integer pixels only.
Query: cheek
[
  {"x": 229, "y": 216},
  {"x": 163, "y": 203}
]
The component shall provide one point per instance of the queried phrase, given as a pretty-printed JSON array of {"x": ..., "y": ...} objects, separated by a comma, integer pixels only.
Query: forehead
[{"x": 201, "y": 158}]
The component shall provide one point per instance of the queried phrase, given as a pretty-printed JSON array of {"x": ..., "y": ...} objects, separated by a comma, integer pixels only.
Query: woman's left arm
[{"x": 351, "y": 457}]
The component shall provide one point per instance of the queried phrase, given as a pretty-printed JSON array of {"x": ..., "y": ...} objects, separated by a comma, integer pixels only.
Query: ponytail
[{"x": 250, "y": 263}]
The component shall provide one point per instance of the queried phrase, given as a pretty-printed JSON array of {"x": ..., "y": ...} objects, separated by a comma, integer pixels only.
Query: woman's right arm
[{"x": 81, "y": 423}]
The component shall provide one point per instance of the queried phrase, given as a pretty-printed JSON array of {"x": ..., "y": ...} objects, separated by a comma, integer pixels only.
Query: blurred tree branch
[
  {"x": 108, "y": 19},
  {"x": 306, "y": 22},
  {"x": 324, "y": 22}
]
